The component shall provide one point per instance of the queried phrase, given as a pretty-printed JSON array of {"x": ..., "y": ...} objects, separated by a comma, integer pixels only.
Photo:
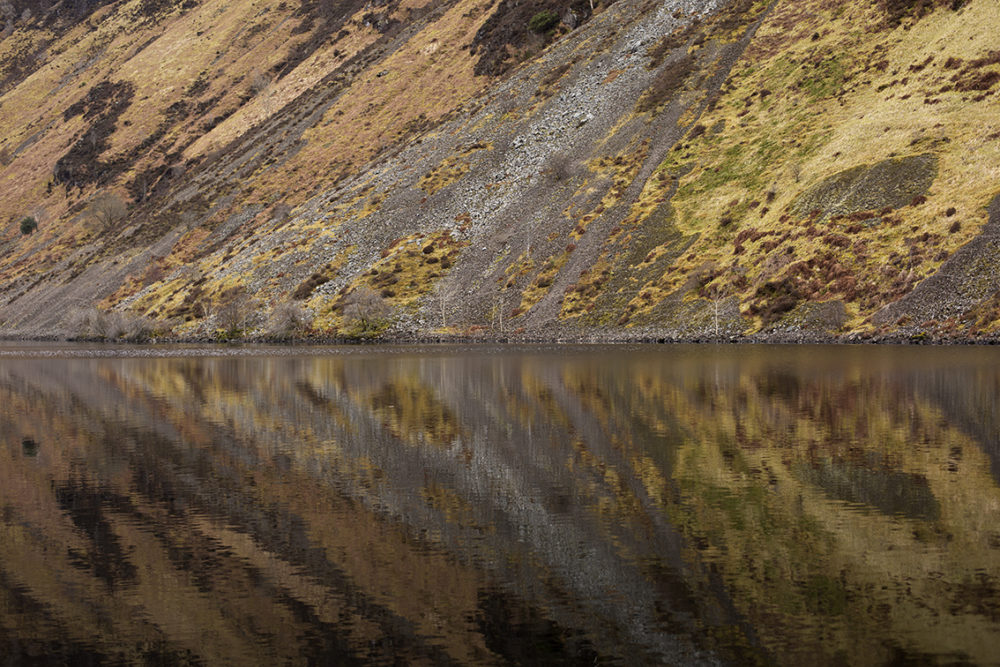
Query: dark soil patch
[
  {"x": 737, "y": 15},
  {"x": 507, "y": 32},
  {"x": 52, "y": 18},
  {"x": 102, "y": 105},
  {"x": 898, "y": 10},
  {"x": 663, "y": 48},
  {"x": 156, "y": 9}
]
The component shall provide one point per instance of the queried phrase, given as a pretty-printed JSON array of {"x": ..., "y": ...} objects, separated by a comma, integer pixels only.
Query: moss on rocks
[{"x": 892, "y": 183}]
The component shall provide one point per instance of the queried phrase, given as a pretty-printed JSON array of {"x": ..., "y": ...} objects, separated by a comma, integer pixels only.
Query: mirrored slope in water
[{"x": 481, "y": 506}]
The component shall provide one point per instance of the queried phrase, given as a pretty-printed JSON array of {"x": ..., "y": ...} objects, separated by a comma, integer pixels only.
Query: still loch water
[{"x": 479, "y": 505}]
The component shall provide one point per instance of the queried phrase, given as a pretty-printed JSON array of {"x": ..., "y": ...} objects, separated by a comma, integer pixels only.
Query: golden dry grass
[{"x": 847, "y": 97}]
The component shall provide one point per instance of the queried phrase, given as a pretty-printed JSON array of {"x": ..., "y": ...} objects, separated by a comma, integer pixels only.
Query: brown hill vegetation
[{"x": 625, "y": 170}]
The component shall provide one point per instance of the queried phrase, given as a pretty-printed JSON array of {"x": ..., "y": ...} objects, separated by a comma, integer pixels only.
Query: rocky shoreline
[{"x": 771, "y": 338}]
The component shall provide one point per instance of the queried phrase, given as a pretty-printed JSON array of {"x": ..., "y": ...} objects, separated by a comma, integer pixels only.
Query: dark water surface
[{"x": 476, "y": 505}]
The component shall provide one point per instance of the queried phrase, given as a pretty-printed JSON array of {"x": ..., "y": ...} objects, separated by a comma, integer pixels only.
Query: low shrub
[
  {"x": 287, "y": 319},
  {"x": 543, "y": 21},
  {"x": 366, "y": 307},
  {"x": 774, "y": 299},
  {"x": 306, "y": 287},
  {"x": 233, "y": 311},
  {"x": 983, "y": 81},
  {"x": 96, "y": 324}
]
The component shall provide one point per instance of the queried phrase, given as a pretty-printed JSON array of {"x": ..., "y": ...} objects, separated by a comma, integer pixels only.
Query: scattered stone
[{"x": 892, "y": 183}]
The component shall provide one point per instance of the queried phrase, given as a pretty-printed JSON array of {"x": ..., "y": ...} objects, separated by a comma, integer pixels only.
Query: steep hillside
[{"x": 545, "y": 168}]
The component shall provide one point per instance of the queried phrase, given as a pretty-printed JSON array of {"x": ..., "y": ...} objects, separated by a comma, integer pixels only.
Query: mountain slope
[{"x": 670, "y": 169}]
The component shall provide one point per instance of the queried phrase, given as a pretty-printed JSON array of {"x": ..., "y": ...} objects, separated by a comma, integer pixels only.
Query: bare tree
[
  {"x": 189, "y": 220},
  {"x": 233, "y": 310},
  {"x": 40, "y": 214},
  {"x": 109, "y": 325},
  {"x": 280, "y": 212},
  {"x": 447, "y": 295},
  {"x": 366, "y": 306},
  {"x": 261, "y": 86},
  {"x": 107, "y": 209},
  {"x": 286, "y": 319},
  {"x": 717, "y": 294},
  {"x": 496, "y": 313},
  {"x": 259, "y": 81}
]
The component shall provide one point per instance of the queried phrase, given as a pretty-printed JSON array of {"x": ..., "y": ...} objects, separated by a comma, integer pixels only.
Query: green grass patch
[
  {"x": 741, "y": 164},
  {"x": 826, "y": 78}
]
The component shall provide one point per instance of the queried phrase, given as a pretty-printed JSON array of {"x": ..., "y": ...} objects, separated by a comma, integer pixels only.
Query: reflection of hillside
[
  {"x": 283, "y": 452},
  {"x": 601, "y": 505},
  {"x": 844, "y": 512},
  {"x": 969, "y": 400},
  {"x": 892, "y": 493},
  {"x": 216, "y": 554}
]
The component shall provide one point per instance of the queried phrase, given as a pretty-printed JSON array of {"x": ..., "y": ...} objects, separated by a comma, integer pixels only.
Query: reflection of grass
[
  {"x": 824, "y": 595},
  {"x": 893, "y": 493},
  {"x": 413, "y": 412},
  {"x": 732, "y": 506},
  {"x": 785, "y": 529},
  {"x": 377, "y": 555}
]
